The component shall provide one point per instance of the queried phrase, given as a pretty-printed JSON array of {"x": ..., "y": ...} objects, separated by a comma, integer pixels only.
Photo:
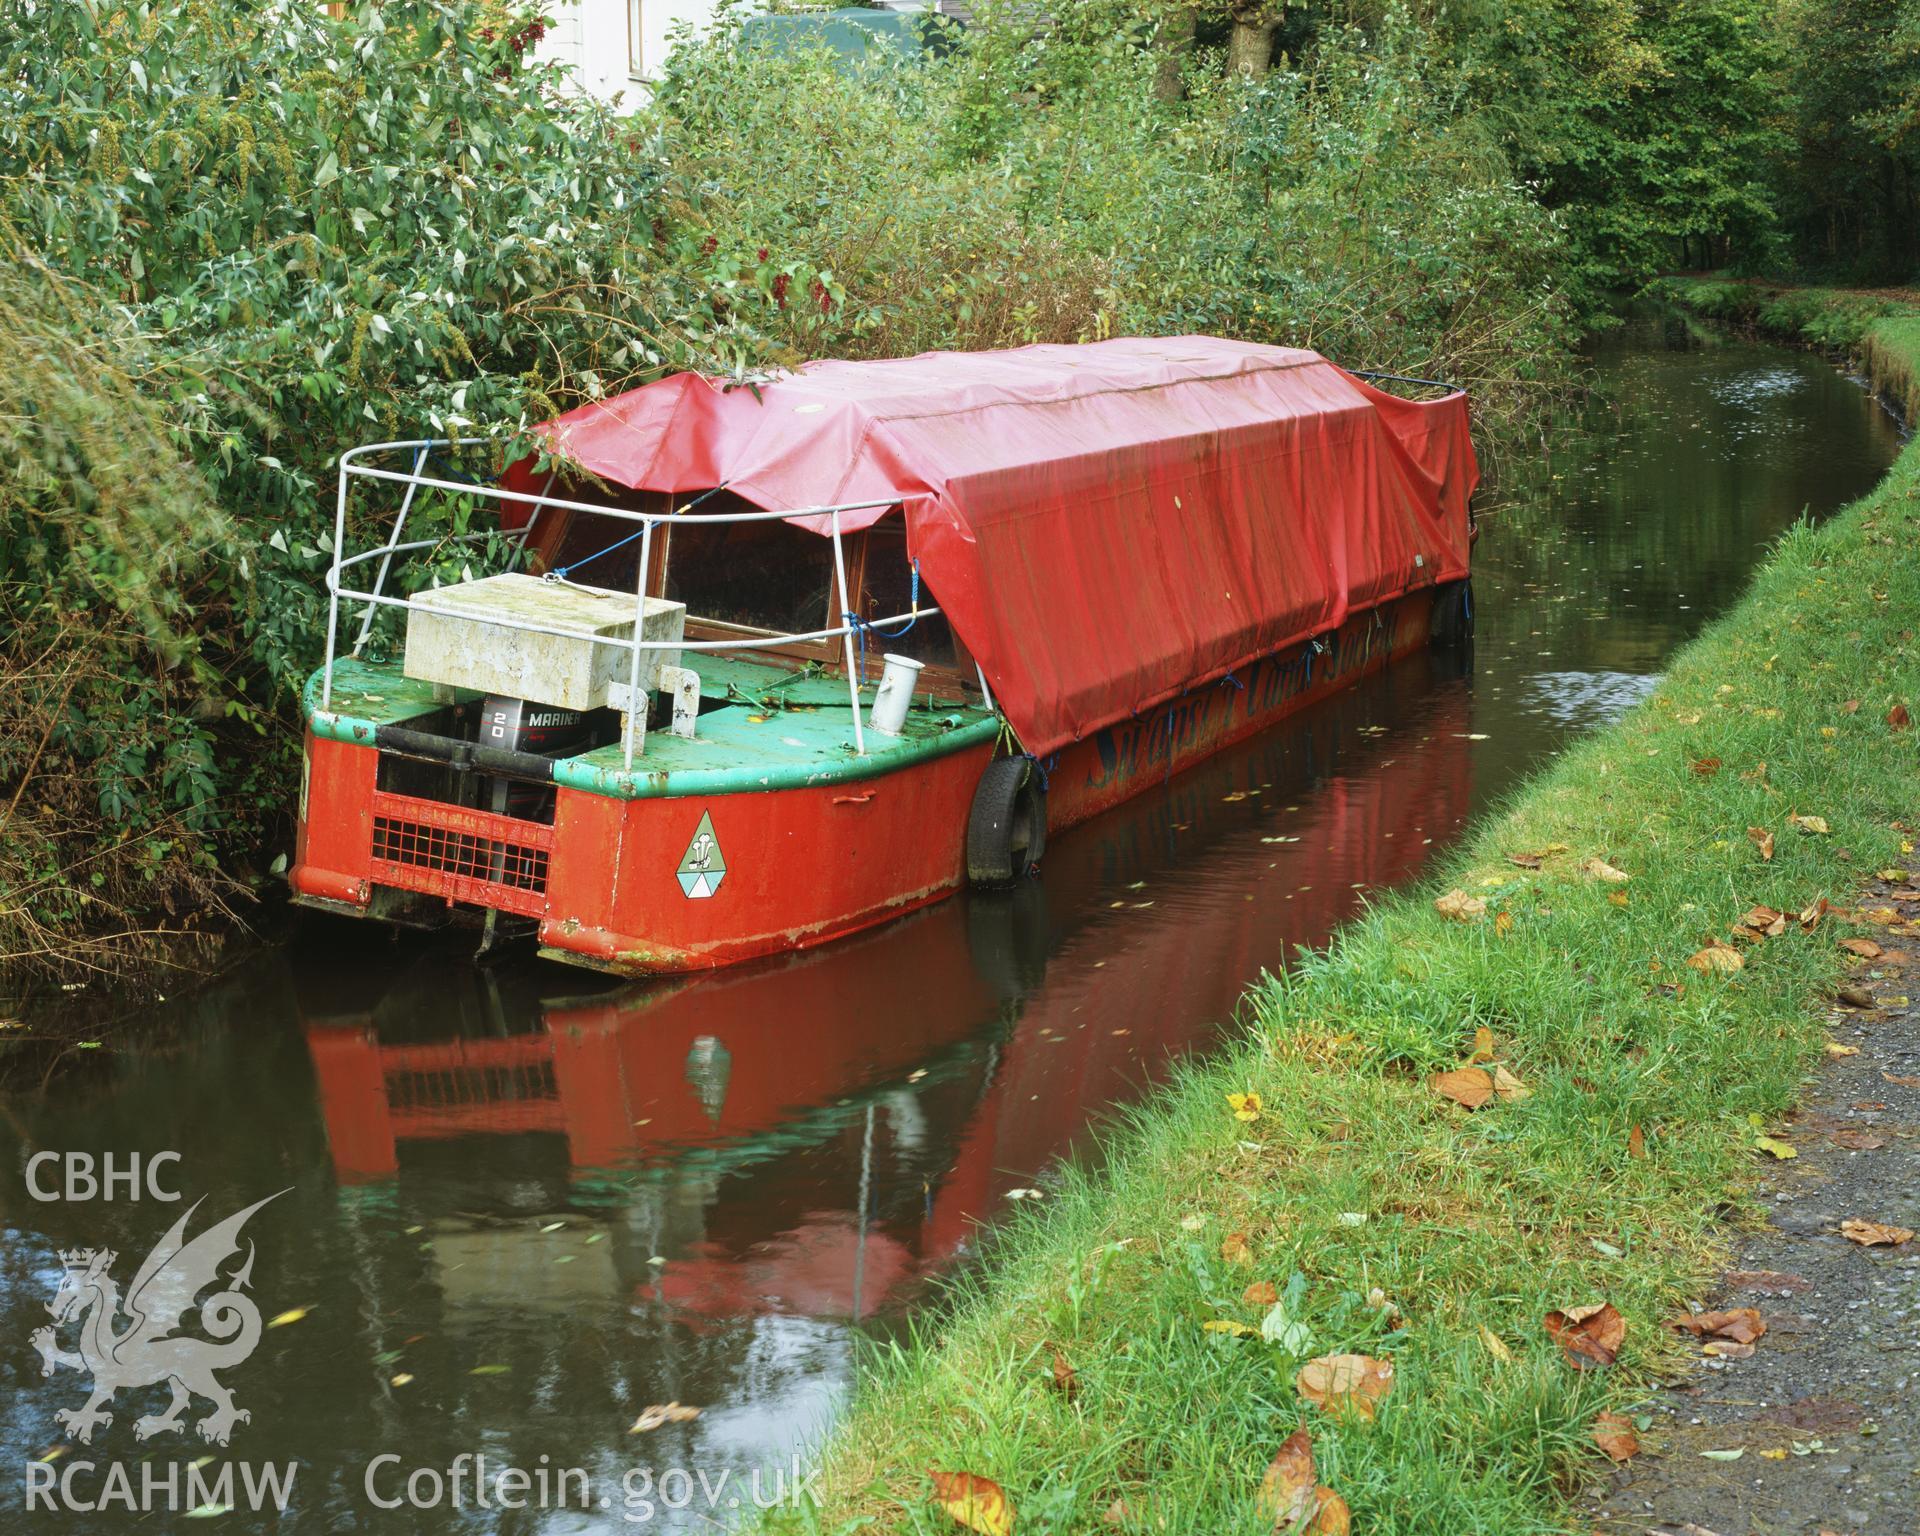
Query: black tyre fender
[
  {"x": 1007, "y": 827},
  {"x": 1453, "y": 613}
]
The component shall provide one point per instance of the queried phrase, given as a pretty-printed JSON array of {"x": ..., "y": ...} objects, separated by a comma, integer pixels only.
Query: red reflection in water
[{"x": 854, "y": 1112}]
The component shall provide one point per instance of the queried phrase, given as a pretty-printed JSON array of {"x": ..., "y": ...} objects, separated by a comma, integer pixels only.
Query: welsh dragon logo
[{"x": 151, "y": 1348}]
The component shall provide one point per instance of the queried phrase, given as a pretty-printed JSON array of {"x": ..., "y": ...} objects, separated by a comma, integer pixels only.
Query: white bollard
[{"x": 895, "y": 693}]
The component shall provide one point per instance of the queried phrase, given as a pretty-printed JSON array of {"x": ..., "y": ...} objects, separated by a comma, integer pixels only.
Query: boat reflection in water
[{"x": 815, "y": 1137}]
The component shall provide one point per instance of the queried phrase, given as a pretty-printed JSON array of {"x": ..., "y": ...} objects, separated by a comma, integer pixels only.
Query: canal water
[{"x": 519, "y": 1207}]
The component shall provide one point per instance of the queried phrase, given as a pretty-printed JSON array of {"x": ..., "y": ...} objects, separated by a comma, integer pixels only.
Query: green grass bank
[{"x": 1390, "y": 1221}]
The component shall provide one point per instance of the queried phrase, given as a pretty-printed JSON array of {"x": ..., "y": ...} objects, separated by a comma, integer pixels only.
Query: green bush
[
  {"x": 274, "y": 234},
  {"x": 1034, "y": 187}
]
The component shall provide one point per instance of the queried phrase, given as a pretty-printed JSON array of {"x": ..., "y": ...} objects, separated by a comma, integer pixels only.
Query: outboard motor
[{"x": 541, "y": 730}]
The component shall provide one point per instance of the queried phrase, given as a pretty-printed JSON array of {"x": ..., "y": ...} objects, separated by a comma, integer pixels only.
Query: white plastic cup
[{"x": 894, "y": 695}]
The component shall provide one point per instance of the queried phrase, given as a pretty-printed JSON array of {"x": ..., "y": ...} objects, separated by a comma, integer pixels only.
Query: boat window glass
[{"x": 769, "y": 576}]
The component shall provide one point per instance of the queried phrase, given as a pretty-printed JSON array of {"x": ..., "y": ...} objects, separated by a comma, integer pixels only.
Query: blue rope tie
[
  {"x": 563, "y": 572},
  {"x": 862, "y": 627}
]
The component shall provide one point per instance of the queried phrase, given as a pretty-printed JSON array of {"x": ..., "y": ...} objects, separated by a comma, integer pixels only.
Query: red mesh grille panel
[{"x": 470, "y": 856}]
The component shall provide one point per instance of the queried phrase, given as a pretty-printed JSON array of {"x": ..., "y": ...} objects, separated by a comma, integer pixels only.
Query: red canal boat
[{"x": 764, "y": 666}]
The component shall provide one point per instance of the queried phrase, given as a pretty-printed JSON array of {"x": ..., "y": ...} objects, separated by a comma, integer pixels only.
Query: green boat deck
[{"x": 761, "y": 727}]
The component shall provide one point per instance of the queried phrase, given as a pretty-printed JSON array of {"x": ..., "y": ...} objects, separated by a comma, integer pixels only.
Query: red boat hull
[{"x": 803, "y": 866}]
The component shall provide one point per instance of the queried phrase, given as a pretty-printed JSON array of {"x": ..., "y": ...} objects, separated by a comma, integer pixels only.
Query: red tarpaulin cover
[{"x": 1105, "y": 525}]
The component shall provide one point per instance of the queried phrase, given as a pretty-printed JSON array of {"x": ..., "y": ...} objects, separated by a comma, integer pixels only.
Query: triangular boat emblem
[{"x": 703, "y": 867}]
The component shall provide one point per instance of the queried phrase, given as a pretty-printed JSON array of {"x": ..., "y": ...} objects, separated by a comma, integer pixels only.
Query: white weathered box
[{"x": 455, "y": 638}]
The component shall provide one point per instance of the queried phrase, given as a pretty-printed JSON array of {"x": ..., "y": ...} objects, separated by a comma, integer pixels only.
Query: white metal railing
[{"x": 352, "y": 468}]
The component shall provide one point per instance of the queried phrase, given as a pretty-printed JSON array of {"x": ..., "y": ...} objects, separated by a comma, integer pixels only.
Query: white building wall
[{"x": 615, "y": 46}]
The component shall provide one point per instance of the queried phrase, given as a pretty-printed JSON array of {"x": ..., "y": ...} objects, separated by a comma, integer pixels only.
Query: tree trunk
[
  {"x": 1173, "y": 42},
  {"x": 1250, "y": 46}
]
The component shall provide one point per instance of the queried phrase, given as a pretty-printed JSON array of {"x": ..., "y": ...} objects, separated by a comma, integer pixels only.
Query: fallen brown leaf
[
  {"x": 1874, "y": 1234},
  {"x": 1286, "y": 1490},
  {"x": 1461, "y": 907},
  {"x": 1508, "y": 1086},
  {"x": 1340, "y": 1383},
  {"x": 1901, "y": 1082},
  {"x": 1262, "y": 1293},
  {"x": 1726, "y": 1349},
  {"x": 1706, "y": 767},
  {"x": 1589, "y": 1336},
  {"x": 1898, "y": 719},
  {"x": 1636, "y": 1142},
  {"x": 978, "y": 1503},
  {"x": 1762, "y": 839},
  {"x": 1482, "y": 1045},
  {"x": 1763, "y": 922},
  {"x": 1866, "y": 949},
  {"x": 1854, "y": 997},
  {"x": 1857, "y": 1141},
  {"x": 1235, "y": 1249},
  {"x": 1813, "y": 826},
  {"x": 1767, "y": 1280},
  {"x": 1066, "y": 1380},
  {"x": 1471, "y": 1086},
  {"x": 1331, "y": 1517},
  {"x": 1613, "y": 1433},
  {"x": 1723, "y": 958},
  {"x": 1811, "y": 914},
  {"x": 1851, "y": 707},
  {"x": 1740, "y": 1324},
  {"x": 1600, "y": 869}
]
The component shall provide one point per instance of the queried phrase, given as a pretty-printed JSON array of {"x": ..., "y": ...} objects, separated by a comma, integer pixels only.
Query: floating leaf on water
[
  {"x": 651, "y": 1418},
  {"x": 401, "y": 1379},
  {"x": 490, "y": 1370},
  {"x": 292, "y": 1315}
]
